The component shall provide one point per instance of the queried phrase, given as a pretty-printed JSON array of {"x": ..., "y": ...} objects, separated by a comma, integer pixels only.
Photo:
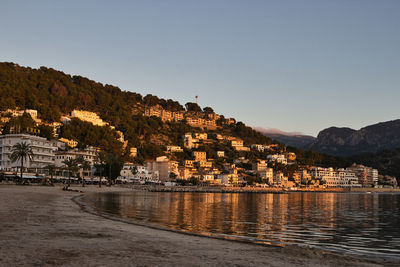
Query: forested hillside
[{"x": 53, "y": 94}]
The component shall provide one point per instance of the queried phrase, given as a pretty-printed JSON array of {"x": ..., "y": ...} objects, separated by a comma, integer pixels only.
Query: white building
[
  {"x": 335, "y": 178},
  {"x": 258, "y": 147},
  {"x": 88, "y": 116},
  {"x": 88, "y": 154},
  {"x": 43, "y": 152},
  {"x": 131, "y": 173},
  {"x": 279, "y": 158}
]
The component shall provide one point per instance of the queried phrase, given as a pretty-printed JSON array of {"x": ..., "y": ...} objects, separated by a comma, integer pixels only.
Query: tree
[
  {"x": 51, "y": 169},
  {"x": 21, "y": 151},
  {"x": 100, "y": 165},
  {"x": 46, "y": 131},
  {"x": 208, "y": 110},
  {"x": 113, "y": 166},
  {"x": 134, "y": 170},
  {"x": 84, "y": 165},
  {"x": 192, "y": 107},
  {"x": 72, "y": 167}
]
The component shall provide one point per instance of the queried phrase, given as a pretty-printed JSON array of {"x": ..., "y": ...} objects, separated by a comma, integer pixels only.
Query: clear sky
[{"x": 293, "y": 65}]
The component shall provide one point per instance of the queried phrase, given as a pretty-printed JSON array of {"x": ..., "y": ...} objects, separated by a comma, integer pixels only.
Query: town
[{"x": 277, "y": 168}]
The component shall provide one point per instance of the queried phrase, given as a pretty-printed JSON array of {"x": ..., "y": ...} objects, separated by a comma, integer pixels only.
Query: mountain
[
  {"x": 293, "y": 139},
  {"x": 348, "y": 142}
]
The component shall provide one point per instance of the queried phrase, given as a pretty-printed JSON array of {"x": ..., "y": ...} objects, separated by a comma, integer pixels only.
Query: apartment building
[
  {"x": 268, "y": 175},
  {"x": 89, "y": 154},
  {"x": 88, "y": 116},
  {"x": 335, "y": 178},
  {"x": 164, "y": 166},
  {"x": 367, "y": 176},
  {"x": 260, "y": 165},
  {"x": 43, "y": 150},
  {"x": 199, "y": 155}
]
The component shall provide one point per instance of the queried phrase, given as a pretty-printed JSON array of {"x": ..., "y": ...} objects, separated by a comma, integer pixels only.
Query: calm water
[{"x": 351, "y": 223}]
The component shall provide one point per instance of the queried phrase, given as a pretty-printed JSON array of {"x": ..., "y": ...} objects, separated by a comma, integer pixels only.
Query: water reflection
[{"x": 356, "y": 223}]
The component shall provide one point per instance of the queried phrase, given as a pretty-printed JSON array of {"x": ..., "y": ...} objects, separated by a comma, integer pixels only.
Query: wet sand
[{"x": 42, "y": 226}]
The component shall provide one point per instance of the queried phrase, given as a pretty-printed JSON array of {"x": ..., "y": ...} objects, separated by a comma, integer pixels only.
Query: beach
[{"x": 43, "y": 226}]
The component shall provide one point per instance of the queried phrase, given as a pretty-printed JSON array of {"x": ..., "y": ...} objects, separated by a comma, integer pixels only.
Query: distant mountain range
[
  {"x": 349, "y": 142},
  {"x": 376, "y": 145},
  {"x": 294, "y": 139},
  {"x": 343, "y": 141}
]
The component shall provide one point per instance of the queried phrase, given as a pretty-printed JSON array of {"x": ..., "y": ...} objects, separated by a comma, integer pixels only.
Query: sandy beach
[{"x": 42, "y": 226}]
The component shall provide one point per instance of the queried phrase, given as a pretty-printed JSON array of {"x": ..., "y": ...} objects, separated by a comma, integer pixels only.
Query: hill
[
  {"x": 54, "y": 94},
  {"x": 348, "y": 142}
]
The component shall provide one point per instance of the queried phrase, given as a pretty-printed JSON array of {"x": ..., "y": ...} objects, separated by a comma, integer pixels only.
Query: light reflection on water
[{"x": 354, "y": 223}]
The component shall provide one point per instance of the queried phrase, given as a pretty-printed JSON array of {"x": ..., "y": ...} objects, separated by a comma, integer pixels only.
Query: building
[
  {"x": 89, "y": 154},
  {"x": 172, "y": 149},
  {"x": 68, "y": 142},
  {"x": 279, "y": 158},
  {"x": 260, "y": 165},
  {"x": 280, "y": 178},
  {"x": 131, "y": 173},
  {"x": 204, "y": 164},
  {"x": 231, "y": 178},
  {"x": 18, "y": 112},
  {"x": 367, "y": 176},
  {"x": 237, "y": 143},
  {"x": 153, "y": 111},
  {"x": 43, "y": 152},
  {"x": 258, "y": 147},
  {"x": 220, "y": 154},
  {"x": 188, "y": 141},
  {"x": 133, "y": 152},
  {"x": 267, "y": 175},
  {"x": 199, "y": 155},
  {"x": 201, "y": 136},
  {"x": 88, "y": 116},
  {"x": 65, "y": 120},
  {"x": 164, "y": 167},
  {"x": 335, "y": 178}
]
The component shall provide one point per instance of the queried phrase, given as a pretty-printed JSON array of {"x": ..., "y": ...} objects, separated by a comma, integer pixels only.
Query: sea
[{"x": 350, "y": 223}]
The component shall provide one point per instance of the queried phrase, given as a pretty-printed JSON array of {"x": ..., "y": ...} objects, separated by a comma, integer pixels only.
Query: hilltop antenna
[{"x": 197, "y": 99}]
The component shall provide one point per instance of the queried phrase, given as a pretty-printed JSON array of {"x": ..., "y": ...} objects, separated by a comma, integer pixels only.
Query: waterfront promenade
[{"x": 42, "y": 226}]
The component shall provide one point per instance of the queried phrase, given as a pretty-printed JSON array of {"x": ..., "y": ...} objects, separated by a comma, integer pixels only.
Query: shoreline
[
  {"x": 260, "y": 190},
  {"x": 44, "y": 226}
]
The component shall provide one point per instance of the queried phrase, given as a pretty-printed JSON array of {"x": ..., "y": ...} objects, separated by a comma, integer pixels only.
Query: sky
[{"x": 299, "y": 66}]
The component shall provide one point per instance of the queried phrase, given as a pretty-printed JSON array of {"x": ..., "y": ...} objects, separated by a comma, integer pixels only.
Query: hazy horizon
[{"x": 291, "y": 65}]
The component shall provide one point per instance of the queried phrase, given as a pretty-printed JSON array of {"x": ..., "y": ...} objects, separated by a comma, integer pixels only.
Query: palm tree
[
  {"x": 23, "y": 152},
  {"x": 71, "y": 166},
  {"x": 85, "y": 165},
  {"x": 101, "y": 163},
  {"x": 51, "y": 168}
]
